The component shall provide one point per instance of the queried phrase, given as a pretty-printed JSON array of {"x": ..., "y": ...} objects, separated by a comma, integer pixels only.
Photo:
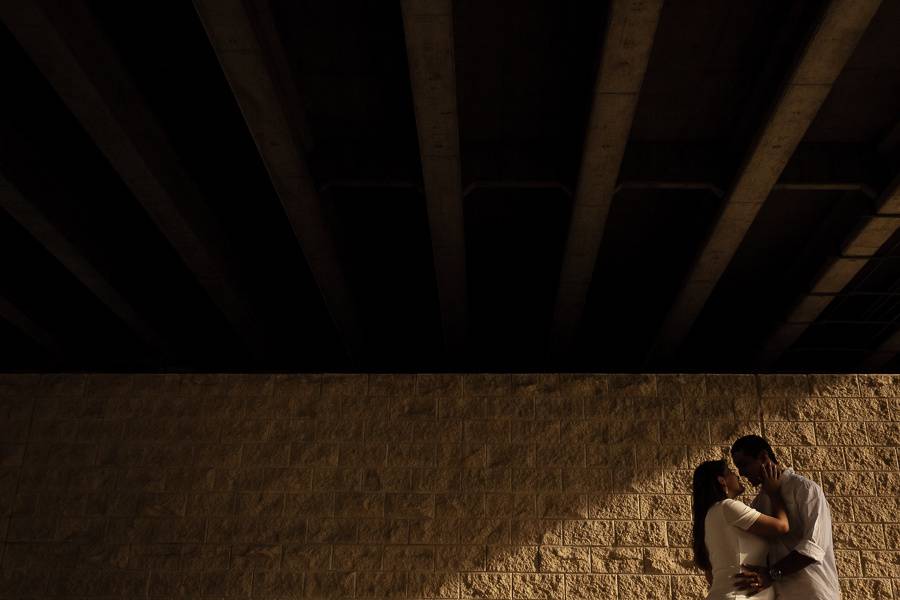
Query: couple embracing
[{"x": 779, "y": 547}]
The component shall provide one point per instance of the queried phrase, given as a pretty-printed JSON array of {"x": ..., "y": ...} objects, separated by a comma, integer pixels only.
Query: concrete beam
[
  {"x": 11, "y": 313},
  {"x": 626, "y": 51},
  {"x": 826, "y": 52},
  {"x": 68, "y": 47},
  {"x": 246, "y": 44},
  {"x": 428, "y": 26},
  {"x": 53, "y": 240},
  {"x": 857, "y": 251}
]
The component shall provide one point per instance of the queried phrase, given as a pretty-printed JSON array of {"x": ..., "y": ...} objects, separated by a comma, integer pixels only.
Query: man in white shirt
[{"x": 801, "y": 562}]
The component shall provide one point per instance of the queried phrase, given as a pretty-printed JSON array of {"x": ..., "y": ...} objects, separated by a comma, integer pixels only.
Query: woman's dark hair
[
  {"x": 752, "y": 445},
  {"x": 707, "y": 491}
]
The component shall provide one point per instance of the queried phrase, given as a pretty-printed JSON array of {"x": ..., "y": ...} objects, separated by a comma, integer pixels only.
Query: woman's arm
[{"x": 777, "y": 524}]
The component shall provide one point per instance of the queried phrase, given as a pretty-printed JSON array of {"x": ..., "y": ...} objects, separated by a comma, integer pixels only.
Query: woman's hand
[{"x": 771, "y": 478}]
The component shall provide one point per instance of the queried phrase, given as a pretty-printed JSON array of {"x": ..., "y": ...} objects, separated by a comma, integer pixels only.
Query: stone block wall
[{"x": 415, "y": 486}]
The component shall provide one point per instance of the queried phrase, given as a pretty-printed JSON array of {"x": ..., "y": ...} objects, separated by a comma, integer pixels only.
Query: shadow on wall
[{"x": 403, "y": 486}]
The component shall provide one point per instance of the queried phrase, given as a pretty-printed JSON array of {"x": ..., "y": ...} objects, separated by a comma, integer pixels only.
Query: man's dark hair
[{"x": 752, "y": 445}]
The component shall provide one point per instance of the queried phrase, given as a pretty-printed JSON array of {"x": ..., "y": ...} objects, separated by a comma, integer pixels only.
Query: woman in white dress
[{"x": 727, "y": 532}]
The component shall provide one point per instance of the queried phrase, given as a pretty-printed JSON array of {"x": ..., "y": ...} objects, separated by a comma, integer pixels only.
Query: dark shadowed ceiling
[{"x": 409, "y": 185}]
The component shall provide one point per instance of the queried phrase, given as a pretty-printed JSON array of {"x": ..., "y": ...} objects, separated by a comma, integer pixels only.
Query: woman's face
[{"x": 732, "y": 484}]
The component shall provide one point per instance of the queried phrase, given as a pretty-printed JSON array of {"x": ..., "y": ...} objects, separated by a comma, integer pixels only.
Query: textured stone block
[
  {"x": 643, "y": 586},
  {"x": 259, "y": 503},
  {"x": 879, "y": 385},
  {"x": 488, "y": 384},
  {"x": 537, "y": 586},
  {"x": 420, "y": 455},
  {"x": 865, "y": 589},
  {"x": 359, "y": 504},
  {"x": 392, "y": 384},
  {"x": 483, "y": 531},
  {"x": 689, "y": 586},
  {"x": 306, "y": 557},
  {"x": 632, "y": 385},
  {"x": 841, "y": 434},
  {"x": 265, "y": 455},
  {"x": 381, "y": 585},
  {"x": 819, "y": 457},
  {"x": 617, "y": 560},
  {"x": 591, "y": 432},
  {"x": 640, "y": 533},
  {"x": 485, "y": 585},
  {"x": 536, "y": 532},
  {"x": 458, "y": 559},
  {"x": 179, "y": 557},
  {"x": 516, "y": 505},
  {"x": 410, "y": 506},
  {"x": 848, "y": 484},
  {"x": 614, "y": 506},
  {"x": 342, "y": 386},
  {"x": 588, "y": 533},
  {"x": 559, "y": 407},
  {"x": 884, "y": 434},
  {"x": 589, "y": 480},
  {"x": 357, "y": 558},
  {"x": 309, "y": 504},
  {"x": 842, "y": 386},
  {"x": 865, "y": 409},
  {"x": 439, "y": 385},
  {"x": 731, "y": 386},
  {"x": 536, "y": 480},
  {"x": 332, "y": 531},
  {"x": 786, "y": 386},
  {"x": 287, "y": 584},
  {"x": 665, "y": 561},
  {"x": 419, "y": 407},
  {"x": 534, "y": 384},
  {"x": 791, "y": 433},
  {"x": 666, "y": 507},
  {"x": 589, "y": 587},
  {"x": 409, "y": 558},
  {"x": 562, "y": 506},
  {"x": 871, "y": 458},
  {"x": 433, "y": 585}
]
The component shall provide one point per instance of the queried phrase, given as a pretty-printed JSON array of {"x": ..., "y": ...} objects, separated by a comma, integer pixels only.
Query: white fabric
[
  {"x": 810, "y": 519},
  {"x": 729, "y": 545}
]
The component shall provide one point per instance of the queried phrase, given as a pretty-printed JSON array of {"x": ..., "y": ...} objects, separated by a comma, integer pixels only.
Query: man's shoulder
[{"x": 798, "y": 483}]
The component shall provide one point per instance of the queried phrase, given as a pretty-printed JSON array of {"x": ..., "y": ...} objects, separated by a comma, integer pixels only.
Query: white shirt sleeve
[
  {"x": 739, "y": 514},
  {"x": 815, "y": 517}
]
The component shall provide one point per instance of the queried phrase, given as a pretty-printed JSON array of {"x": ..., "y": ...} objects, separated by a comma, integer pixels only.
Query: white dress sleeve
[{"x": 739, "y": 514}]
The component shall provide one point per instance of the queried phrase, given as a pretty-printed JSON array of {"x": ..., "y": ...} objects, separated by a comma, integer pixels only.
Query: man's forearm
[{"x": 792, "y": 563}]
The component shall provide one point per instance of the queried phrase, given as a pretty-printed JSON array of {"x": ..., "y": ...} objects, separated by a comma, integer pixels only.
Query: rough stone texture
[{"x": 415, "y": 486}]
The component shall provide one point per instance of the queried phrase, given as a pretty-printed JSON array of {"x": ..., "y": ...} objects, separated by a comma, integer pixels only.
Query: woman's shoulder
[
  {"x": 737, "y": 513},
  {"x": 731, "y": 503}
]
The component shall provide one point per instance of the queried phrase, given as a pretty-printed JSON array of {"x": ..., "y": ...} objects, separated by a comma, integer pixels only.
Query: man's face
[{"x": 751, "y": 466}]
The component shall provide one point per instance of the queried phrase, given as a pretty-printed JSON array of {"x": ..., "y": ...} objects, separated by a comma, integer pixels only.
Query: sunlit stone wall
[{"x": 404, "y": 486}]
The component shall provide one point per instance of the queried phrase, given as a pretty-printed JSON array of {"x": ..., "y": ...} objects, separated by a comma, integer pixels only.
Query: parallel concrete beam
[
  {"x": 858, "y": 250},
  {"x": 66, "y": 44},
  {"x": 626, "y": 52},
  {"x": 428, "y": 26},
  {"x": 55, "y": 242},
  {"x": 839, "y": 30},
  {"x": 249, "y": 52},
  {"x": 13, "y": 315}
]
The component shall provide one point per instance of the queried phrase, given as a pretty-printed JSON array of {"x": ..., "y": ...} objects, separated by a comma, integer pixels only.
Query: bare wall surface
[{"x": 415, "y": 486}]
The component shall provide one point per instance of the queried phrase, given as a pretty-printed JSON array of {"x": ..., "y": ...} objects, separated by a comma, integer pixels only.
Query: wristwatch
[{"x": 775, "y": 574}]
